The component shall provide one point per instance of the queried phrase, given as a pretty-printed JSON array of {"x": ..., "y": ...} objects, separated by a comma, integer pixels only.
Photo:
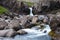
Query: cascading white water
[
  {"x": 34, "y": 34},
  {"x": 31, "y": 14}
]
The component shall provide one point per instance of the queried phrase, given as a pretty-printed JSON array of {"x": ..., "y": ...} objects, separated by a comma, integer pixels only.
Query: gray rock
[
  {"x": 34, "y": 20},
  {"x": 21, "y": 32},
  {"x": 14, "y": 24},
  {"x": 23, "y": 20},
  {"x": 41, "y": 17},
  {"x": 3, "y": 24},
  {"x": 7, "y": 33}
]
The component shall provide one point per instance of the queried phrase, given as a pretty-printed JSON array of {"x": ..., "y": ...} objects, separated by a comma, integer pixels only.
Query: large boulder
[
  {"x": 7, "y": 33},
  {"x": 14, "y": 24},
  {"x": 21, "y": 32},
  {"x": 34, "y": 19}
]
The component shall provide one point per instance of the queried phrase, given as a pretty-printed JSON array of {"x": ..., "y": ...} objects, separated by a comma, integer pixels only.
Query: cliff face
[{"x": 14, "y": 5}]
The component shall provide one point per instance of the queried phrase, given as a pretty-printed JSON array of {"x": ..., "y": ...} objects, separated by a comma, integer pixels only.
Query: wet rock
[
  {"x": 41, "y": 17},
  {"x": 36, "y": 27},
  {"x": 7, "y": 33},
  {"x": 21, "y": 32}
]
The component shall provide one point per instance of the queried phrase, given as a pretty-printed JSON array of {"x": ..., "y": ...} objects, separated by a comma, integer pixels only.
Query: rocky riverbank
[{"x": 12, "y": 25}]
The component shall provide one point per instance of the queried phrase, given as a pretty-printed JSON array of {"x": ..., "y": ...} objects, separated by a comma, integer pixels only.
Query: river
[{"x": 33, "y": 34}]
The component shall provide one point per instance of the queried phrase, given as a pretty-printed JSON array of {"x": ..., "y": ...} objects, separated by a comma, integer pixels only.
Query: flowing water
[{"x": 32, "y": 35}]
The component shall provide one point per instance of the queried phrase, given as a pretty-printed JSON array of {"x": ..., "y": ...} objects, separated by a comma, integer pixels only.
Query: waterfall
[{"x": 31, "y": 14}]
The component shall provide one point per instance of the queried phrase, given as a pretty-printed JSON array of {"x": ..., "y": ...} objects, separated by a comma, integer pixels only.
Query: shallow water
[{"x": 20, "y": 37}]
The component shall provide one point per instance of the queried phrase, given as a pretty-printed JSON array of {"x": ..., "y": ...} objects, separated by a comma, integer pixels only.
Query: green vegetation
[{"x": 3, "y": 10}]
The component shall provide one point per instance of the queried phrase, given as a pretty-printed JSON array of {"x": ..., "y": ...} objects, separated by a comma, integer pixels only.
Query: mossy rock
[
  {"x": 3, "y": 10},
  {"x": 52, "y": 34}
]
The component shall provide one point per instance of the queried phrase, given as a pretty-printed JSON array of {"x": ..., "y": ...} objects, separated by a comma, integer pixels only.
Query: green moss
[
  {"x": 52, "y": 34},
  {"x": 3, "y": 10}
]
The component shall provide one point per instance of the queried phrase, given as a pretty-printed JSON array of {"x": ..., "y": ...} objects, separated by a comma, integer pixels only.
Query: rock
[
  {"x": 41, "y": 17},
  {"x": 46, "y": 20},
  {"x": 36, "y": 27},
  {"x": 8, "y": 20},
  {"x": 51, "y": 17},
  {"x": 23, "y": 20},
  {"x": 14, "y": 24},
  {"x": 58, "y": 13},
  {"x": 29, "y": 21},
  {"x": 21, "y": 32},
  {"x": 3, "y": 24},
  {"x": 34, "y": 20},
  {"x": 1, "y": 19},
  {"x": 7, "y": 33}
]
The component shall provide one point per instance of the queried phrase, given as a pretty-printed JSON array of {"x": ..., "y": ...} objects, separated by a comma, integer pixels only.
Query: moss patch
[{"x": 3, "y": 10}]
